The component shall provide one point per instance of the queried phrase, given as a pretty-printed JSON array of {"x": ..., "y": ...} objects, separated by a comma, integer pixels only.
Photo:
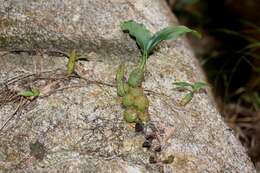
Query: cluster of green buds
[{"x": 134, "y": 100}]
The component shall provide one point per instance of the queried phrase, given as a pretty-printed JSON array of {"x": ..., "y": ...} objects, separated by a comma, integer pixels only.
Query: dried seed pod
[
  {"x": 141, "y": 103},
  {"x": 139, "y": 127},
  {"x": 169, "y": 159},
  {"x": 147, "y": 144},
  {"x": 136, "y": 77},
  {"x": 128, "y": 100},
  {"x": 144, "y": 116},
  {"x": 130, "y": 115}
]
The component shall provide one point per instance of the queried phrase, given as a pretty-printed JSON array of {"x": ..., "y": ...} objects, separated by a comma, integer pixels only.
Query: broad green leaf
[
  {"x": 169, "y": 33},
  {"x": 198, "y": 85},
  {"x": 138, "y": 31},
  {"x": 29, "y": 93}
]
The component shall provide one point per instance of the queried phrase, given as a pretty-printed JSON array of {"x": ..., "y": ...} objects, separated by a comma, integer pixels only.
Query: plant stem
[{"x": 143, "y": 61}]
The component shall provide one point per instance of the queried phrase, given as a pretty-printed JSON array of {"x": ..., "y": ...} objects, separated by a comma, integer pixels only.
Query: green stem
[{"x": 143, "y": 61}]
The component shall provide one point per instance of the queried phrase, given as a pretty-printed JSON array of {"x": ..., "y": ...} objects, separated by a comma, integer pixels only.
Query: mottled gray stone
[{"x": 79, "y": 122}]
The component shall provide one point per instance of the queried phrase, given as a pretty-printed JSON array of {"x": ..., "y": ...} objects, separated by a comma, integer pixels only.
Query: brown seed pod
[{"x": 144, "y": 116}]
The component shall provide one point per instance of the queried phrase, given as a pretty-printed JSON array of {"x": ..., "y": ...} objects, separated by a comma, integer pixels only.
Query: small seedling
[
  {"x": 71, "y": 62},
  {"x": 73, "y": 58},
  {"x": 147, "y": 42},
  {"x": 191, "y": 88},
  {"x": 134, "y": 99},
  {"x": 34, "y": 92}
]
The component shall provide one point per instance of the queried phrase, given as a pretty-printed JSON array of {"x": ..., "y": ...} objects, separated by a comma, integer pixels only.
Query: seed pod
[
  {"x": 128, "y": 100},
  {"x": 120, "y": 73},
  {"x": 130, "y": 115},
  {"x": 144, "y": 117},
  {"x": 136, "y": 77},
  {"x": 120, "y": 89},
  {"x": 126, "y": 87},
  {"x": 136, "y": 91},
  {"x": 141, "y": 103}
]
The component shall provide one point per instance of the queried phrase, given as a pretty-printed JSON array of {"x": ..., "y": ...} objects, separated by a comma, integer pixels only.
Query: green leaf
[
  {"x": 138, "y": 31},
  {"x": 169, "y": 33},
  {"x": 34, "y": 92},
  {"x": 182, "y": 85},
  {"x": 198, "y": 85}
]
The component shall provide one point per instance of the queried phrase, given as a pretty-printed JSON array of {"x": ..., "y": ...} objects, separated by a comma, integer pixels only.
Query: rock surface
[{"x": 76, "y": 125}]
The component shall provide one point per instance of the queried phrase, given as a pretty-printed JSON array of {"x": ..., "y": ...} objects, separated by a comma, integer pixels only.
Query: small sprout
[
  {"x": 141, "y": 103},
  {"x": 130, "y": 115},
  {"x": 34, "y": 92},
  {"x": 147, "y": 41},
  {"x": 192, "y": 88},
  {"x": 198, "y": 85},
  {"x": 71, "y": 62},
  {"x": 128, "y": 100}
]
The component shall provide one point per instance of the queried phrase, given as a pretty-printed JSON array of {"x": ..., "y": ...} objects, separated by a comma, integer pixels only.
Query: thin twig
[{"x": 13, "y": 115}]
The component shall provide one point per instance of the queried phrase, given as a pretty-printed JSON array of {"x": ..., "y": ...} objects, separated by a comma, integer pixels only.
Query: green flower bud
[
  {"x": 144, "y": 116},
  {"x": 136, "y": 91},
  {"x": 141, "y": 103},
  {"x": 128, "y": 100},
  {"x": 130, "y": 115},
  {"x": 136, "y": 77}
]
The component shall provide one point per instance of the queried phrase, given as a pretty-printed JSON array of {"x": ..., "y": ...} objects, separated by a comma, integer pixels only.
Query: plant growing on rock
[
  {"x": 191, "y": 88},
  {"x": 134, "y": 99}
]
